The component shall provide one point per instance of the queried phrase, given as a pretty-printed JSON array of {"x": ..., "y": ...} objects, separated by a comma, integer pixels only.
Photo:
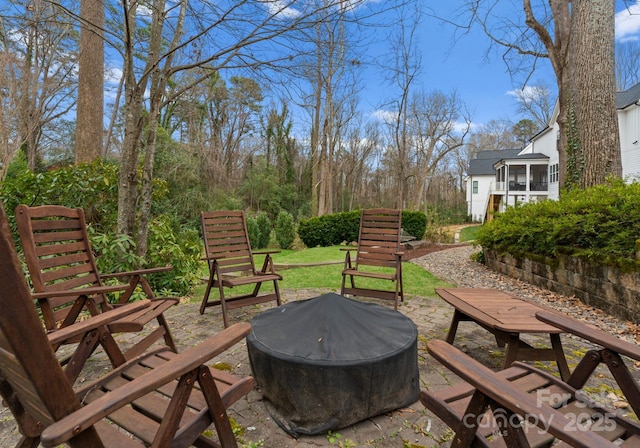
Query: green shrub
[
  {"x": 94, "y": 187},
  {"x": 414, "y": 223},
  {"x": 329, "y": 230},
  {"x": 338, "y": 228},
  {"x": 264, "y": 230},
  {"x": 181, "y": 249},
  {"x": 601, "y": 223},
  {"x": 253, "y": 230},
  {"x": 285, "y": 230}
]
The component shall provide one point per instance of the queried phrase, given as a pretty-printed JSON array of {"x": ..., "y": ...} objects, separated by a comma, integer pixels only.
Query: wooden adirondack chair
[
  {"x": 228, "y": 253},
  {"x": 66, "y": 282},
  {"x": 378, "y": 245},
  {"x": 160, "y": 399},
  {"x": 523, "y": 406}
]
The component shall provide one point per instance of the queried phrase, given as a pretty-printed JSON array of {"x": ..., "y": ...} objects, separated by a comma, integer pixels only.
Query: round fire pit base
[{"x": 329, "y": 362}]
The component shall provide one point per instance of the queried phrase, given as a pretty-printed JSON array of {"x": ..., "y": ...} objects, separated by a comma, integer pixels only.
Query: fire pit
[{"x": 329, "y": 362}]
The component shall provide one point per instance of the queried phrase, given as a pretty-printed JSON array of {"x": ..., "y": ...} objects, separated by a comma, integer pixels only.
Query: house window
[
  {"x": 475, "y": 187},
  {"x": 554, "y": 171}
]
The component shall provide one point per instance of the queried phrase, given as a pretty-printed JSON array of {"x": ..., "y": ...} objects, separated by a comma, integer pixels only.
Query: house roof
[
  {"x": 628, "y": 97},
  {"x": 482, "y": 163},
  {"x": 527, "y": 156}
]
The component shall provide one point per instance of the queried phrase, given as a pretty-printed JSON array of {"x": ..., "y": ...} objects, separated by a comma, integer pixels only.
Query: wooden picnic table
[{"x": 506, "y": 317}]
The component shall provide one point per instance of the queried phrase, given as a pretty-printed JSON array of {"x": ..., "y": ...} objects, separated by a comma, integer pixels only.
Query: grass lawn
[
  {"x": 416, "y": 280},
  {"x": 469, "y": 233}
]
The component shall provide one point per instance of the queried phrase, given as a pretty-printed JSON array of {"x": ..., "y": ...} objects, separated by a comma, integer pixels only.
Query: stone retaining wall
[{"x": 604, "y": 287}]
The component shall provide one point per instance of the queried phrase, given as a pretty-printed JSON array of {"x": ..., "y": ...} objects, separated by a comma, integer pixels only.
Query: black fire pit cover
[{"x": 329, "y": 362}]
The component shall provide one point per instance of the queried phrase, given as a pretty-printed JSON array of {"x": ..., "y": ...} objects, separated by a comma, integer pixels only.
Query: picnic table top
[{"x": 498, "y": 310}]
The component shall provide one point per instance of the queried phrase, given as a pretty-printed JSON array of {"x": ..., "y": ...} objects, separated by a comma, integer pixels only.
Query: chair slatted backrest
[
  {"x": 379, "y": 237},
  {"x": 58, "y": 254},
  {"x": 31, "y": 379},
  {"x": 226, "y": 239}
]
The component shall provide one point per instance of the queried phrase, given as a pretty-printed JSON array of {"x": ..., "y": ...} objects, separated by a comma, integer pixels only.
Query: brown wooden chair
[
  {"x": 378, "y": 246},
  {"x": 159, "y": 399},
  {"x": 523, "y": 406},
  {"x": 228, "y": 253},
  {"x": 66, "y": 283}
]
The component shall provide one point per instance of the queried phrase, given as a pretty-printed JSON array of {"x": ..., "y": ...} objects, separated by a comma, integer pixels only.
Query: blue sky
[{"x": 481, "y": 79}]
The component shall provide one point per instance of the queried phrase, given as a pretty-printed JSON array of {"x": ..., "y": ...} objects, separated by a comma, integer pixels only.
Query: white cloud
[
  {"x": 143, "y": 11},
  {"x": 280, "y": 9},
  {"x": 386, "y": 116},
  {"x": 528, "y": 93},
  {"x": 628, "y": 23},
  {"x": 112, "y": 75}
]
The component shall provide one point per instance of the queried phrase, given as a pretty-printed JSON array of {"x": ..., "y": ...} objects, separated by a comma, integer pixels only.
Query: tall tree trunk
[
  {"x": 557, "y": 47},
  {"x": 128, "y": 175},
  {"x": 90, "y": 108},
  {"x": 593, "y": 92},
  {"x": 316, "y": 158},
  {"x": 158, "y": 85},
  {"x": 133, "y": 126}
]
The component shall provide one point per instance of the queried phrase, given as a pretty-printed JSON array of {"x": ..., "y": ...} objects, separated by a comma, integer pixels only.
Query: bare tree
[
  {"x": 536, "y": 102},
  {"x": 540, "y": 33},
  {"x": 331, "y": 72},
  {"x": 493, "y": 135},
  {"x": 361, "y": 144},
  {"x": 243, "y": 35},
  {"x": 38, "y": 46},
  {"x": 9, "y": 100},
  {"x": 407, "y": 66},
  {"x": 627, "y": 64},
  {"x": 438, "y": 125}
]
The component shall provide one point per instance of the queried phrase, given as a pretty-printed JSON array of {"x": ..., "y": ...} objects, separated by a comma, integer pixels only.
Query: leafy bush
[
  {"x": 253, "y": 230},
  {"x": 414, "y": 223},
  {"x": 337, "y": 228},
  {"x": 601, "y": 223},
  {"x": 94, "y": 187},
  {"x": 285, "y": 230},
  {"x": 264, "y": 230},
  {"x": 329, "y": 230},
  {"x": 181, "y": 249}
]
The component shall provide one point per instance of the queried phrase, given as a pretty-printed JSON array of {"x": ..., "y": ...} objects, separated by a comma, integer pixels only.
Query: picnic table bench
[
  {"x": 506, "y": 317},
  {"x": 523, "y": 406}
]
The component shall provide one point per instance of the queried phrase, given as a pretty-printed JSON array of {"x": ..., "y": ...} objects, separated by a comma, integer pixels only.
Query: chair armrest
[
  {"x": 183, "y": 363},
  {"x": 90, "y": 291},
  {"x": 266, "y": 251},
  {"x": 105, "y": 318},
  {"x": 348, "y": 249},
  {"x": 591, "y": 334},
  {"x": 137, "y": 272},
  {"x": 510, "y": 397}
]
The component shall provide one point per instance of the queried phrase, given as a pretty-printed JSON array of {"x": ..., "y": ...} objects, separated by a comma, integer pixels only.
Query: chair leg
[
  {"x": 168, "y": 337},
  {"x": 400, "y": 282},
  {"x": 396, "y": 295},
  {"x": 223, "y": 305},
  {"x": 207, "y": 291},
  {"x": 217, "y": 409},
  {"x": 276, "y": 288}
]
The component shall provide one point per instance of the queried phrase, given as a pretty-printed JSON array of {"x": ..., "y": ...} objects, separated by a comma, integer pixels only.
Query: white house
[{"x": 498, "y": 179}]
